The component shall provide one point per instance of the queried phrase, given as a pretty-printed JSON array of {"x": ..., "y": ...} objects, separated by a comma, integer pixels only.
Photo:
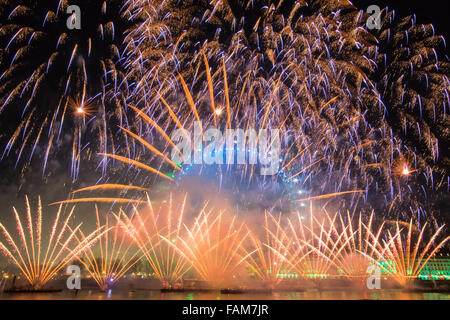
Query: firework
[
  {"x": 214, "y": 247},
  {"x": 117, "y": 254},
  {"x": 235, "y": 177},
  {"x": 266, "y": 259},
  {"x": 363, "y": 116},
  {"x": 219, "y": 246},
  {"x": 154, "y": 233},
  {"x": 40, "y": 259},
  {"x": 403, "y": 256},
  {"x": 361, "y": 239},
  {"x": 320, "y": 76},
  {"x": 343, "y": 93},
  {"x": 57, "y": 79},
  {"x": 316, "y": 245}
]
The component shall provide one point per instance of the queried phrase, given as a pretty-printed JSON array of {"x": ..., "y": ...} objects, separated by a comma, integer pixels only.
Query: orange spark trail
[
  {"x": 110, "y": 187},
  {"x": 306, "y": 168},
  {"x": 136, "y": 164},
  {"x": 151, "y": 148},
  {"x": 330, "y": 195},
  {"x": 102, "y": 200},
  {"x": 189, "y": 99},
  {"x": 211, "y": 89},
  {"x": 158, "y": 128}
]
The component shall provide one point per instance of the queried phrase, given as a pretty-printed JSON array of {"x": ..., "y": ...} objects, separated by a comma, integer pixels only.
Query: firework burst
[
  {"x": 313, "y": 70},
  {"x": 353, "y": 103},
  {"x": 360, "y": 238},
  {"x": 54, "y": 80},
  {"x": 318, "y": 243},
  {"x": 294, "y": 169},
  {"x": 266, "y": 258},
  {"x": 40, "y": 259},
  {"x": 405, "y": 252},
  {"x": 154, "y": 234},
  {"x": 214, "y": 247},
  {"x": 117, "y": 254}
]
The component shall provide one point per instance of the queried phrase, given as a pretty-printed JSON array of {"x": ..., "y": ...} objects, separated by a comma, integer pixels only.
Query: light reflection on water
[{"x": 157, "y": 295}]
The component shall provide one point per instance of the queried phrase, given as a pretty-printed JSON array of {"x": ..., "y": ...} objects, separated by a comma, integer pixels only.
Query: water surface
[{"x": 157, "y": 295}]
